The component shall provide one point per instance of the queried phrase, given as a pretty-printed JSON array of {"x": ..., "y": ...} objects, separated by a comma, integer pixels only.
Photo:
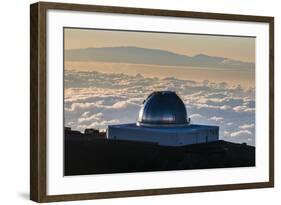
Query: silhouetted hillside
[{"x": 86, "y": 154}]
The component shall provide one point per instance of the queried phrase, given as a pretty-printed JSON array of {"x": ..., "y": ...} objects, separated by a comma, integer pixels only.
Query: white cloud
[
  {"x": 246, "y": 126},
  {"x": 241, "y": 133},
  {"x": 239, "y": 108},
  {"x": 225, "y": 107},
  {"x": 243, "y": 108},
  {"x": 85, "y": 114},
  {"x": 76, "y": 106},
  {"x": 218, "y": 119},
  {"x": 87, "y": 118},
  {"x": 226, "y": 133},
  {"x": 195, "y": 116},
  {"x": 118, "y": 105},
  {"x": 105, "y": 122}
]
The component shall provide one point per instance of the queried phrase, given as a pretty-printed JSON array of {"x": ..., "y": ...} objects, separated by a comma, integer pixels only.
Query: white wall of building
[{"x": 163, "y": 136}]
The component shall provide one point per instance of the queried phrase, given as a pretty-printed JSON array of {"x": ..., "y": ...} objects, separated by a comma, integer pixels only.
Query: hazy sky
[
  {"x": 238, "y": 48},
  {"x": 96, "y": 95}
]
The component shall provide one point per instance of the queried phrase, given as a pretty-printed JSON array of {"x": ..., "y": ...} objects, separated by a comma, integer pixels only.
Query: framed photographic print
[{"x": 134, "y": 102}]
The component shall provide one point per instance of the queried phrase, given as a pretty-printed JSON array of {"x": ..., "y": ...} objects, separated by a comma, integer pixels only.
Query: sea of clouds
[{"x": 95, "y": 100}]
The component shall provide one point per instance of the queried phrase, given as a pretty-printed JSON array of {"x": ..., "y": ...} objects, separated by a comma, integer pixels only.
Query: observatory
[{"x": 163, "y": 120}]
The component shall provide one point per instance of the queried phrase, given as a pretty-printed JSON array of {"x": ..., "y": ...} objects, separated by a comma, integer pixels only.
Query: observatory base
[{"x": 166, "y": 136}]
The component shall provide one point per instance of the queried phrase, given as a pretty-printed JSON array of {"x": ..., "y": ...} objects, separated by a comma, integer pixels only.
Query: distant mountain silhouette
[{"x": 137, "y": 55}]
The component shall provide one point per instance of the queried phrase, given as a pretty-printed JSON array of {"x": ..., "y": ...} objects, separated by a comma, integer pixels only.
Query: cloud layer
[{"x": 94, "y": 99}]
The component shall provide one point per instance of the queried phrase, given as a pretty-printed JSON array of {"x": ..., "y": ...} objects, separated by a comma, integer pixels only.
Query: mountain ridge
[{"x": 139, "y": 55}]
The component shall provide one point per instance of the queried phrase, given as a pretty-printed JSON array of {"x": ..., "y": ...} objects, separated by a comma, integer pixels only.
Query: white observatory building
[{"x": 163, "y": 120}]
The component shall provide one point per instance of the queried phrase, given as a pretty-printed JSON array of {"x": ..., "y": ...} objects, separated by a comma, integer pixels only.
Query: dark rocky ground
[{"x": 85, "y": 154}]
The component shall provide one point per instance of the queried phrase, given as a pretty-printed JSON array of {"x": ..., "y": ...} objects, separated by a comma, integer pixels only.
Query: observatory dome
[{"x": 161, "y": 109}]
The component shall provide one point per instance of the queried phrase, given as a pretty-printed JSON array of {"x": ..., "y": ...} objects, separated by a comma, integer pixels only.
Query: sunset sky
[
  {"x": 108, "y": 86},
  {"x": 238, "y": 48}
]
